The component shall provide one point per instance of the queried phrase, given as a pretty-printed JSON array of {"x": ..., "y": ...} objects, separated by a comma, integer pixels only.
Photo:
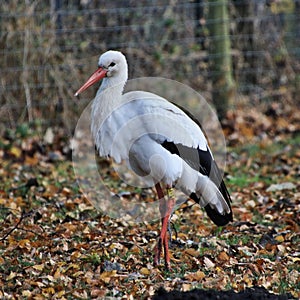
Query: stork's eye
[{"x": 112, "y": 64}]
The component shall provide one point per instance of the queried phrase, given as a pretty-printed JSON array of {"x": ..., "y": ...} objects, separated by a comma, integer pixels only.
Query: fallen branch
[{"x": 24, "y": 215}]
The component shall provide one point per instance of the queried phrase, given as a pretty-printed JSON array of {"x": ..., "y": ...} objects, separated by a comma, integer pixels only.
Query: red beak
[{"x": 98, "y": 75}]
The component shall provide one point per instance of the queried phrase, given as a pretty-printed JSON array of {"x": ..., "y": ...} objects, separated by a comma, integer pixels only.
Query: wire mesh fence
[{"x": 49, "y": 49}]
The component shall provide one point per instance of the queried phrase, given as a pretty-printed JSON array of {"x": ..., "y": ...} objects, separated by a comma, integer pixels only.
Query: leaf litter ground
[{"x": 54, "y": 244}]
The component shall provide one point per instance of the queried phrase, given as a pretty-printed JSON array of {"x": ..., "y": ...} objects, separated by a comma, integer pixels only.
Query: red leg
[
  {"x": 170, "y": 206},
  {"x": 165, "y": 208},
  {"x": 162, "y": 209}
]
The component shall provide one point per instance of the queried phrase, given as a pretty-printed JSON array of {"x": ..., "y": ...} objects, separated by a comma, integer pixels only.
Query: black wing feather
[{"x": 203, "y": 162}]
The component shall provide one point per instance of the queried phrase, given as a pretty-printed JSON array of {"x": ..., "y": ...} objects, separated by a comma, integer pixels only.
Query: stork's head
[
  {"x": 113, "y": 62},
  {"x": 111, "y": 65}
]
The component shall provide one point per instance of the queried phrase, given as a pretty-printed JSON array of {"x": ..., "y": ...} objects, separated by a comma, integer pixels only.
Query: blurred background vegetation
[{"x": 49, "y": 48}]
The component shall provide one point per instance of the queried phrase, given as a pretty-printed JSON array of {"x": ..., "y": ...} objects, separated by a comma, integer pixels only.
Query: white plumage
[{"x": 146, "y": 131}]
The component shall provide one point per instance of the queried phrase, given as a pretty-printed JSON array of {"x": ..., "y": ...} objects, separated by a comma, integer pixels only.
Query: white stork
[{"x": 163, "y": 142}]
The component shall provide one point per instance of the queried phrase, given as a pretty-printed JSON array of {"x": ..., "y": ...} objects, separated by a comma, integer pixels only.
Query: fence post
[{"x": 220, "y": 55}]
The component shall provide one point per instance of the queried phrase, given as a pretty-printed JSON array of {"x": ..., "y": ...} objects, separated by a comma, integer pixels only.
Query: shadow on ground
[{"x": 255, "y": 293}]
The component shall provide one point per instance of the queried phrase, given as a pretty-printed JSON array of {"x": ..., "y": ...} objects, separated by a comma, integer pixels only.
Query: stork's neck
[
  {"x": 108, "y": 98},
  {"x": 110, "y": 91},
  {"x": 112, "y": 83},
  {"x": 112, "y": 87}
]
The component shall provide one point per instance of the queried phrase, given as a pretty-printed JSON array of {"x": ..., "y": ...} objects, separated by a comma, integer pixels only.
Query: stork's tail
[
  {"x": 216, "y": 201},
  {"x": 210, "y": 193}
]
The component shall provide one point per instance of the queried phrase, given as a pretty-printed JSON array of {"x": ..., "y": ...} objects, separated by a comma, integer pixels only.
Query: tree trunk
[
  {"x": 220, "y": 56},
  {"x": 200, "y": 21}
]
